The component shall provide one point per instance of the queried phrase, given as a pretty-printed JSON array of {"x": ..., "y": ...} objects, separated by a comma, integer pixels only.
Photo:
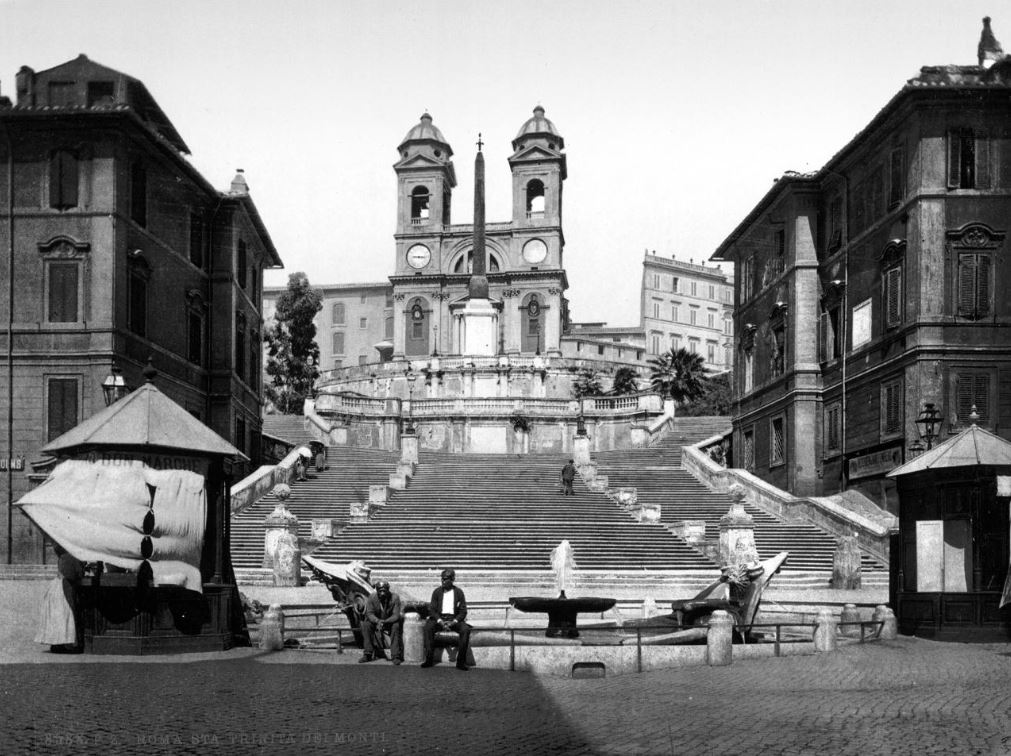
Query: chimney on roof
[
  {"x": 239, "y": 185},
  {"x": 24, "y": 85},
  {"x": 989, "y": 50}
]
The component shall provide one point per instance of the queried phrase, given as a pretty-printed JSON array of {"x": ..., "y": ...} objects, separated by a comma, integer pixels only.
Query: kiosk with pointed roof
[
  {"x": 949, "y": 572},
  {"x": 141, "y": 493}
]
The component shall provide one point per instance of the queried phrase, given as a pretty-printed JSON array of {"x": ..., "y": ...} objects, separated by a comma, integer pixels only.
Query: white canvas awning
[{"x": 96, "y": 512}]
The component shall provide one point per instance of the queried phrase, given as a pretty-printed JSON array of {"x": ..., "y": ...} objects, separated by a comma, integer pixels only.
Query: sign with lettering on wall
[
  {"x": 875, "y": 463},
  {"x": 12, "y": 463}
]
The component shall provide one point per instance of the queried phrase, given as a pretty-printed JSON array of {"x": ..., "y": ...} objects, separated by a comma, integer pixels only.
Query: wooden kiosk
[
  {"x": 949, "y": 561},
  {"x": 140, "y": 494}
]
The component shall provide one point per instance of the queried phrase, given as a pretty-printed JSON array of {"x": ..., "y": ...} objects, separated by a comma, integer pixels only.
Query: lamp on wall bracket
[
  {"x": 928, "y": 423},
  {"x": 114, "y": 386}
]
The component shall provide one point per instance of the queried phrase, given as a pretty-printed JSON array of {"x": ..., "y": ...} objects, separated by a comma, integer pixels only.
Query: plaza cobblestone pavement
[{"x": 909, "y": 696}]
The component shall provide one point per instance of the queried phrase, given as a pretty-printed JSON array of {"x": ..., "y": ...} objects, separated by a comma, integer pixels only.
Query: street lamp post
[
  {"x": 411, "y": 378},
  {"x": 114, "y": 386},
  {"x": 928, "y": 424}
]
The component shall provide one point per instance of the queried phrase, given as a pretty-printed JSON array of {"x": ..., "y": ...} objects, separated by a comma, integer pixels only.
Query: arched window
[
  {"x": 418, "y": 317},
  {"x": 535, "y": 198},
  {"x": 419, "y": 204},
  {"x": 533, "y": 323},
  {"x": 493, "y": 266}
]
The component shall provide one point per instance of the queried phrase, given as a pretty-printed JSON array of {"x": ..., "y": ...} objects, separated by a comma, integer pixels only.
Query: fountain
[{"x": 562, "y": 611}]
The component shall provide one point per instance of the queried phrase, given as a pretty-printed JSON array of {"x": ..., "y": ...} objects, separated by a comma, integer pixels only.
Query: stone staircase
[
  {"x": 501, "y": 515},
  {"x": 656, "y": 474},
  {"x": 491, "y": 511},
  {"x": 327, "y": 494}
]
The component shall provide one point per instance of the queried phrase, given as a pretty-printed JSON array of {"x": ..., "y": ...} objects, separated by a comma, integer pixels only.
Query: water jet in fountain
[{"x": 562, "y": 611}]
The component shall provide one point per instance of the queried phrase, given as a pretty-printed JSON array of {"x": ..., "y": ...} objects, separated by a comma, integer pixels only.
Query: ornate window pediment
[{"x": 63, "y": 247}]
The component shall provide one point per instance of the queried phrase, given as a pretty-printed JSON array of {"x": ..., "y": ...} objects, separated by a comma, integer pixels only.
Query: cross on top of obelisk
[{"x": 480, "y": 144}]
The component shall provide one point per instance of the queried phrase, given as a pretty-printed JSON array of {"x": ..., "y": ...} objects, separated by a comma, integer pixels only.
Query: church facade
[{"x": 434, "y": 257}]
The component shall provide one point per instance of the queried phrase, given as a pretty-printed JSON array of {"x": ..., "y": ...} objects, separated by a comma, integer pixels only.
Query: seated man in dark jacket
[
  {"x": 383, "y": 611},
  {"x": 447, "y": 611}
]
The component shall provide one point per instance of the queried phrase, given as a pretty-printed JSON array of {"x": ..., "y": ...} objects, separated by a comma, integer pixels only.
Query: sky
[{"x": 677, "y": 116}]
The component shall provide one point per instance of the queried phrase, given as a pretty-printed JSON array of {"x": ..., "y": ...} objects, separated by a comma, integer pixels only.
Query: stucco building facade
[
  {"x": 873, "y": 286},
  {"x": 117, "y": 252},
  {"x": 688, "y": 306}
]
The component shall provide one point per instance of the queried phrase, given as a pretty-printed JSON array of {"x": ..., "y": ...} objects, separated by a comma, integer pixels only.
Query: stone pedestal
[
  {"x": 378, "y": 495},
  {"x": 398, "y": 481},
  {"x": 287, "y": 561},
  {"x": 649, "y": 513},
  {"x": 826, "y": 627},
  {"x": 693, "y": 531},
  {"x": 846, "y": 564},
  {"x": 278, "y": 522},
  {"x": 597, "y": 484},
  {"x": 737, "y": 532},
  {"x": 406, "y": 469},
  {"x": 720, "y": 639},
  {"x": 581, "y": 450},
  {"x": 358, "y": 512},
  {"x": 626, "y": 497},
  {"x": 324, "y": 529},
  {"x": 850, "y": 614},
  {"x": 478, "y": 323},
  {"x": 272, "y": 629},
  {"x": 414, "y": 638},
  {"x": 409, "y": 448}
]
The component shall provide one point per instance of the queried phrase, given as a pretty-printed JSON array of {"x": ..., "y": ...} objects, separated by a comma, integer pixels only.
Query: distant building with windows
[
  {"x": 872, "y": 287},
  {"x": 117, "y": 252},
  {"x": 690, "y": 306},
  {"x": 354, "y": 326}
]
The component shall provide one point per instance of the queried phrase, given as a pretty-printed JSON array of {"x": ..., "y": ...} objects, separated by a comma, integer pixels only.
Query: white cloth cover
[{"x": 96, "y": 512}]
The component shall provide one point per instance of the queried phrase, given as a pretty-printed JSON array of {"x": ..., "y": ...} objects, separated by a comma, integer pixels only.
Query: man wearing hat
[
  {"x": 447, "y": 611},
  {"x": 383, "y": 612}
]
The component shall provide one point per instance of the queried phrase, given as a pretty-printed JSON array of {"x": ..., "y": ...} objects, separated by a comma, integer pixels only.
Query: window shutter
[
  {"x": 964, "y": 390},
  {"x": 826, "y": 337},
  {"x": 982, "y": 303},
  {"x": 966, "y": 285},
  {"x": 954, "y": 160},
  {"x": 982, "y": 161},
  {"x": 893, "y": 296}
]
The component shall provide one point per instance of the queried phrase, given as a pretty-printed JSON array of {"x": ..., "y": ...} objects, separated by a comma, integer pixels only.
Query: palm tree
[
  {"x": 678, "y": 374},
  {"x": 625, "y": 381}
]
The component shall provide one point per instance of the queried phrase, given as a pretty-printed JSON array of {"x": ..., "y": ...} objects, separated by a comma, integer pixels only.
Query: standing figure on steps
[
  {"x": 447, "y": 611},
  {"x": 568, "y": 475}
]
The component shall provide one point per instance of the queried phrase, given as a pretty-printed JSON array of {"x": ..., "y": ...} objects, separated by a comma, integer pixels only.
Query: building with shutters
[
  {"x": 873, "y": 286},
  {"x": 688, "y": 306},
  {"x": 116, "y": 252}
]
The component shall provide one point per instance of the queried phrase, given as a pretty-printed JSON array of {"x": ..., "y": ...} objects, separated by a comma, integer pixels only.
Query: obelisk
[{"x": 479, "y": 318}]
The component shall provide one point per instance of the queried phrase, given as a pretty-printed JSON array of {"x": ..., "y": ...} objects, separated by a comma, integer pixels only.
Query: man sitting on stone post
[
  {"x": 447, "y": 611},
  {"x": 383, "y": 612}
]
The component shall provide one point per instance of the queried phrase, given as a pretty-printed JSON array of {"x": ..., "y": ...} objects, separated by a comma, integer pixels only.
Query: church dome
[
  {"x": 539, "y": 126},
  {"x": 426, "y": 131}
]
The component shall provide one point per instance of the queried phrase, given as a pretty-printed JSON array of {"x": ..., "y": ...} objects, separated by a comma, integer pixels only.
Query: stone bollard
[
  {"x": 850, "y": 613},
  {"x": 414, "y": 638},
  {"x": 287, "y": 561},
  {"x": 825, "y": 631},
  {"x": 890, "y": 626},
  {"x": 720, "y": 639},
  {"x": 737, "y": 531},
  {"x": 272, "y": 629}
]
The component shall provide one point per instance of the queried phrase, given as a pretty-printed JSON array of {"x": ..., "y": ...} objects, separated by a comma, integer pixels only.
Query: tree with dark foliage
[
  {"x": 292, "y": 351},
  {"x": 678, "y": 374}
]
